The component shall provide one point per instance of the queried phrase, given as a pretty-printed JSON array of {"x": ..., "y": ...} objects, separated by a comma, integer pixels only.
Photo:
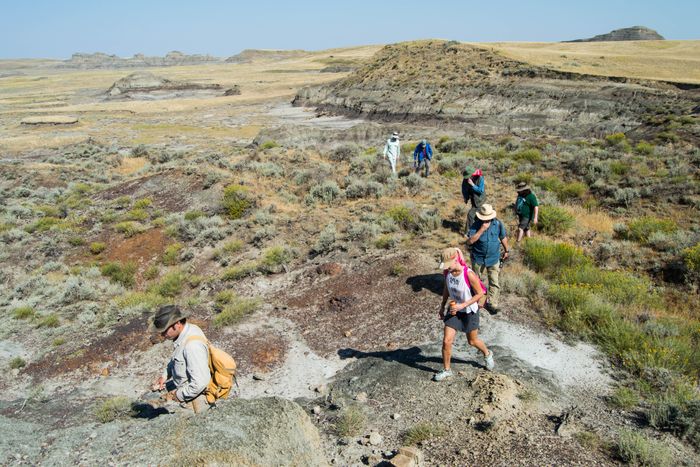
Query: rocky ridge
[
  {"x": 144, "y": 82},
  {"x": 634, "y": 33},
  {"x": 452, "y": 82},
  {"x": 103, "y": 60}
]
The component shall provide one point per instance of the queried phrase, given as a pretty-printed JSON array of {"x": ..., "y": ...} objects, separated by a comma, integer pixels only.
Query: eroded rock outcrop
[
  {"x": 144, "y": 82},
  {"x": 103, "y": 60},
  {"x": 269, "y": 431},
  {"x": 635, "y": 33},
  {"x": 454, "y": 82}
]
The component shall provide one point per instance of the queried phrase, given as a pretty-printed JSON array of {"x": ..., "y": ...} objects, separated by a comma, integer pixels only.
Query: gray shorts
[
  {"x": 462, "y": 322},
  {"x": 524, "y": 223}
]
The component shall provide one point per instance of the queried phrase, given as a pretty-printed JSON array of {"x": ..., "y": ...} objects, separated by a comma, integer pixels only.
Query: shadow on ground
[
  {"x": 431, "y": 282},
  {"x": 412, "y": 357}
]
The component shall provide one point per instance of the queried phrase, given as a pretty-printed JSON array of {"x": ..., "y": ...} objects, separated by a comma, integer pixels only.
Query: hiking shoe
[
  {"x": 488, "y": 359},
  {"x": 492, "y": 309},
  {"x": 444, "y": 374}
]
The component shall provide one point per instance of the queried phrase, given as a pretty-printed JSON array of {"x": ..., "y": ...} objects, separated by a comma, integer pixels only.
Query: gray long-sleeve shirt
[{"x": 189, "y": 364}]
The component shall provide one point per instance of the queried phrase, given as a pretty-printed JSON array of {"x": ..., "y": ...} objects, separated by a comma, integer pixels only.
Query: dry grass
[
  {"x": 657, "y": 60},
  {"x": 597, "y": 221}
]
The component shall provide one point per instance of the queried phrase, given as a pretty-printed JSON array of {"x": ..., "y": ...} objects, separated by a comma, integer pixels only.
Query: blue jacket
[
  {"x": 487, "y": 250},
  {"x": 419, "y": 153}
]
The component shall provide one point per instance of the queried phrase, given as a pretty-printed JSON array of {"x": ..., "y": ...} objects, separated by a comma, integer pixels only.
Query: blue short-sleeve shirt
[{"x": 487, "y": 250}]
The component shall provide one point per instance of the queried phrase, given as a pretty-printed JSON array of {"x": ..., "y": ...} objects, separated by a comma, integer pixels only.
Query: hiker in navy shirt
[
  {"x": 485, "y": 238},
  {"x": 422, "y": 156}
]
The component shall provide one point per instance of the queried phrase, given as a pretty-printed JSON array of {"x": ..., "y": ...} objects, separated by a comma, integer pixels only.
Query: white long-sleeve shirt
[
  {"x": 189, "y": 364},
  {"x": 392, "y": 148}
]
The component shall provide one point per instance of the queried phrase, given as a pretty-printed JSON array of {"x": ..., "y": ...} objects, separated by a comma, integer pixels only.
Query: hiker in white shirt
[
  {"x": 392, "y": 150},
  {"x": 462, "y": 292},
  {"x": 187, "y": 374}
]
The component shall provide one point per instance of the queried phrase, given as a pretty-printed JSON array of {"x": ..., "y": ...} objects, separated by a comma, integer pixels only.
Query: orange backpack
[{"x": 222, "y": 368}]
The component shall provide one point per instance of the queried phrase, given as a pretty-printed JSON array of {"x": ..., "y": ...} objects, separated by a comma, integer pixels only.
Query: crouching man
[{"x": 187, "y": 375}]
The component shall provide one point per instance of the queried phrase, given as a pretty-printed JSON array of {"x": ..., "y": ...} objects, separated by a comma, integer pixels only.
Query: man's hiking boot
[
  {"x": 488, "y": 359},
  {"x": 444, "y": 374}
]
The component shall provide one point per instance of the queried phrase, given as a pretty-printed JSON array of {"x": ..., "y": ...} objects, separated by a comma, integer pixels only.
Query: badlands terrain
[{"x": 252, "y": 191}]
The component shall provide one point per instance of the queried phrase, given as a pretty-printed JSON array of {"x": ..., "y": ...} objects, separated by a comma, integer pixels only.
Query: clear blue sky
[{"x": 56, "y": 29}]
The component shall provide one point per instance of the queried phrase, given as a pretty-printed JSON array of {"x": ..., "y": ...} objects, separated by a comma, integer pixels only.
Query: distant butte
[{"x": 635, "y": 33}]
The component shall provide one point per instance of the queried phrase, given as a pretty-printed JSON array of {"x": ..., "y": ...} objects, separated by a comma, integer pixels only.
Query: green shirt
[{"x": 528, "y": 207}]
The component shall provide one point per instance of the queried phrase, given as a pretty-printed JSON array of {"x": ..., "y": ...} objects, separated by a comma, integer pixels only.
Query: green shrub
[
  {"x": 171, "y": 255},
  {"x": 422, "y": 432},
  {"x": 222, "y": 299},
  {"x": 143, "y": 203},
  {"x": 236, "y": 202},
  {"x": 192, "y": 215},
  {"x": 235, "y": 310},
  {"x": 76, "y": 241},
  {"x": 113, "y": 409},
  {"x": 617, "y": 287},
  {"x": 546, "y": 256},
  {"x": 129, "y": 228},
  {"x": 170, "y": 285},
  {"x": 49, "y": 321},
  {"x": 239, "y": 271},
  {"x": 275, "y": 259},
  {"x": 618, "y": 141},
  {"x": 327, "y": 192},
  {"x": 641, "y": 229},
  {"x": 625, "y": 398},
  {"x": 58, "y": 341},
  {"x": 151, "y": 272},
  {"x": 269, "y": 144},
  {"x": 351, "y": 422},
  {"x": 43, "y": 224},
  {"x": 17, "y": 363},
  {"x": 397, "y": 270},
  {"x": 634, "y": 448},
  {"x": 232, "y": 247},
  {"x": 677, "y": 410},
  {"x": 573, "y": 190},
  {"x": 529, "y": 155},
  {"x": 120, "y": 273},
  {"x": 136, "y": 214},
  {"x": 23, "y": 312},
  {"x": 386, "y": 242},
  {"x": 644, "y": 148},
  {"x": 554, "y": 220},
  {"x": 413, "y": 219},
  {"x": 691, "y": 258},
  {"x": 147, "y": 301}
]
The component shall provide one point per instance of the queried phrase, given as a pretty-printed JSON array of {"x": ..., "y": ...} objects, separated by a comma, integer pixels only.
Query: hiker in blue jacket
[{"x": 422, "y": 156}]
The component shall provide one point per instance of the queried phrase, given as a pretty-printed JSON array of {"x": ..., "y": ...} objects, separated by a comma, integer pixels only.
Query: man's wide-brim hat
[
  {"x": 486, "y": 212},
  {"x": 166, "y": 316},
  {"x": 522, "y": 186},
  {"x": 394, "y": 135}
]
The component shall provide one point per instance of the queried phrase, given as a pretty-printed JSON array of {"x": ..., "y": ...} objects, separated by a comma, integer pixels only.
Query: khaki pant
[
  {"x": 199, "y": 404},
  {"x": 493, "y": 286}
]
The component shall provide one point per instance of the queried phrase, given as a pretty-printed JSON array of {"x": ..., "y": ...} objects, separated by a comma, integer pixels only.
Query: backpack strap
[{"x": 197, "y": 338}]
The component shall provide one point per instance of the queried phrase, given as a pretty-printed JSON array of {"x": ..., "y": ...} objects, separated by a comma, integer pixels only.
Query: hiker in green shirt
[{"x": 527, "y": 208}]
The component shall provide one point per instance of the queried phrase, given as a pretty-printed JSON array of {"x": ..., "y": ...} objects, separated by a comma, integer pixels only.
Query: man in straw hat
[
  {"x": 462, "y": 291},
  {"x": 187, "y": 375},
  {"x": 485, "y": 238},
  {"x": 392, "y": 150},
  {"x": 527, "y": 208}
]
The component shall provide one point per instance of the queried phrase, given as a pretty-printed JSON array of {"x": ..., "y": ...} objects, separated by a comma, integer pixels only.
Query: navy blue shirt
[{"x": 487, "y": 250}]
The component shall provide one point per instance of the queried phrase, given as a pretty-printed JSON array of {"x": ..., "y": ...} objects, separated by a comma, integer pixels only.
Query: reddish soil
[
  {"x": 263, "y": 351},
  {"x": 365, "y": 308},
  {"x": 115, "y": 347},
  {"x": 169, "y": 189}
]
